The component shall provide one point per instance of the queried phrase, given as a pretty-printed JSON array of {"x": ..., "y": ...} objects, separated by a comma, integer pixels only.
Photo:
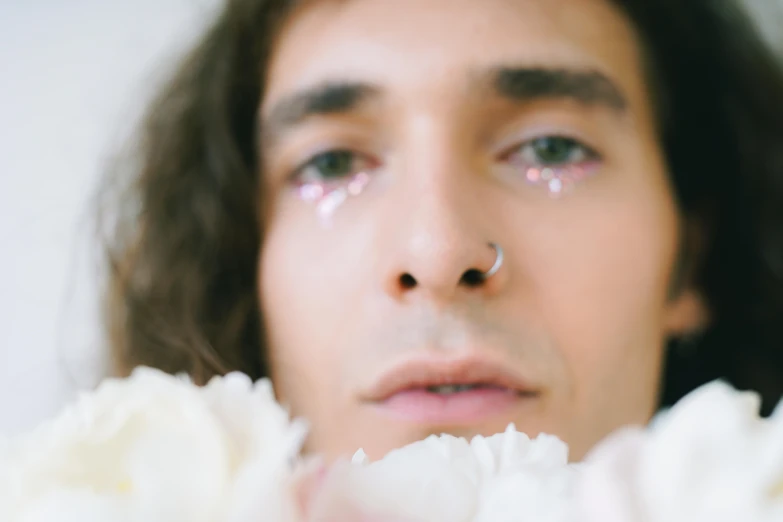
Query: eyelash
[
  {"x": 558, "y": 173},
  {"x": 300, "y": 174},
  {"x": 557, "y": 176},
  {"x": 526, "y": 155}
]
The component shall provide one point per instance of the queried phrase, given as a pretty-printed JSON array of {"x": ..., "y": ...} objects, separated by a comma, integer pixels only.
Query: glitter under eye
[
  {"x": 311, "y": 191},
  {"x": 358, "y": 183},
  {"x": 559, "y": 181},
  {"x": 329, "y": 196},
  {"x": 557, "y": 163}
]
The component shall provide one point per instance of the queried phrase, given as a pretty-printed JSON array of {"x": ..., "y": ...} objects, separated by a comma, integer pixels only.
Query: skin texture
[{"x": 581, "y": 307}]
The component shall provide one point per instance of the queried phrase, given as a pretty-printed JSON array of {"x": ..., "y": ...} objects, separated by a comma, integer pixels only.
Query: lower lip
[{"x": 465, "y": 407}]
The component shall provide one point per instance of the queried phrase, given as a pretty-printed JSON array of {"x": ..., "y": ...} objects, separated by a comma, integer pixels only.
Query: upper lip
[{"x": 428, "y": 372}]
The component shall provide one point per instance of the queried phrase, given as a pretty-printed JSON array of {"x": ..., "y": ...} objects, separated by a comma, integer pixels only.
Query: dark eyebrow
[
  {"x": 518, "y": 84},
  {"x": 530, "y": 84},
  {"x": 329, "y": 98}
]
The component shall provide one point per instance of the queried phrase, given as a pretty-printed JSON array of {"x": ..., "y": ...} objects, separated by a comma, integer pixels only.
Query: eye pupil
[
  {"x": 334, "y": 164},
  {"x": 554, "y": 150}
]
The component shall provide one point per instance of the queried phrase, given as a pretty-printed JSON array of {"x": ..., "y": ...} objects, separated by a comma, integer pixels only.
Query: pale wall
[{"x": 73, "y": 74}]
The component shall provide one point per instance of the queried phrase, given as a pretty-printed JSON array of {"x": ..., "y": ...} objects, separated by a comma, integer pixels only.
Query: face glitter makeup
[
  {"x": 558, "y": 181},
  {"x": 311, "y": 192},
  {"x": 357, "y": 184},
  {"x": 327, "y": 199},
  {"x": 329, "y": 204}
]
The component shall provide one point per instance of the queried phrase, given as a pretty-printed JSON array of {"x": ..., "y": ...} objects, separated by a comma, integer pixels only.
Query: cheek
[
  {"x": 602, "y": 275},
  {"x": 289, "y": 289},
  {"x": 302, "y": 274}
]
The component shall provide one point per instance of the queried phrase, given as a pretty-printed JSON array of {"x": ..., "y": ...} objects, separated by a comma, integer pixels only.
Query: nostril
[
  {"x": 407, "y": 281},
  {"x": 472, "y": 277}
]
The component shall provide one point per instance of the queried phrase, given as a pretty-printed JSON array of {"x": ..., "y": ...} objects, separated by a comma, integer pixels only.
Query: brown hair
[{"x": 183, "y": 245}]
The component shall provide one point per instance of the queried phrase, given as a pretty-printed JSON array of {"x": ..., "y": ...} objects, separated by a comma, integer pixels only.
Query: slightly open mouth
[
  {"x": 447, "y": 389},
  {"x": 457, "y": 404},
  {"x": 453, "y": 389}
]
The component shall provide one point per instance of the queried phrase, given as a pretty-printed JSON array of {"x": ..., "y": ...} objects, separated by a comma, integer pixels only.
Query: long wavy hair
[{"x": 181, "y": 217}]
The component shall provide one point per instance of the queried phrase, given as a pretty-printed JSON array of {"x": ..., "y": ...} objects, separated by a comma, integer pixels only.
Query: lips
[
  {"x": 458, "y": 391},
  {"x": 448, "y": 376}
]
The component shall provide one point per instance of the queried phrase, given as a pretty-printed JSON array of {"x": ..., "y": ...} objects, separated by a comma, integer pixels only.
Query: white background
[{"x": 73, "y": 76}]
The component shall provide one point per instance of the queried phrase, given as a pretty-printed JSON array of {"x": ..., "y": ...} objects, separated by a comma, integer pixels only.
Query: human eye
[
  {"x": 331, "y": 166},
  {"x": 558, "y": 162},
  {"x": 553, "y": 152}
]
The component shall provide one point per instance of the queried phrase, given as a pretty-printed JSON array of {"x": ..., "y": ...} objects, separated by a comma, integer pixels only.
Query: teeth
[{"x": 447, "y": 389}]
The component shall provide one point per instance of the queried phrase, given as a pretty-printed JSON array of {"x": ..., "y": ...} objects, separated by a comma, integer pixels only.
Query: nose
[
  {"x": 443, "y": 248},
  {"x": 451, "y": 276}
]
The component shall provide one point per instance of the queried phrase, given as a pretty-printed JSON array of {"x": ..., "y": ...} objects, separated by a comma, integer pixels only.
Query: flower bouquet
[{"x": 155, "y": 447}]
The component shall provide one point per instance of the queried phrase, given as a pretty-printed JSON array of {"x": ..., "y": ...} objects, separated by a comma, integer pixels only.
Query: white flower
[
  {"x": 504, "y": 477},
  {"x": 155, "y": 448},
  {"x": 710, "y": 458}
]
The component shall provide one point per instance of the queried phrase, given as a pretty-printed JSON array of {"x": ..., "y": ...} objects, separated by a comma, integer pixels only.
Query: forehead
[{"x": 421, "y": 43}]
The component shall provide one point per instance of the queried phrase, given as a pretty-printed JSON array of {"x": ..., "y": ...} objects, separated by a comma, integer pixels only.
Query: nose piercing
[{"x": 498, "y": 262}]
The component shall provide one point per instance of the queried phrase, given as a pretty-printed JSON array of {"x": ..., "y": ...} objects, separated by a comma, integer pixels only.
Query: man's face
[{"x": 400, "y": 138}]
